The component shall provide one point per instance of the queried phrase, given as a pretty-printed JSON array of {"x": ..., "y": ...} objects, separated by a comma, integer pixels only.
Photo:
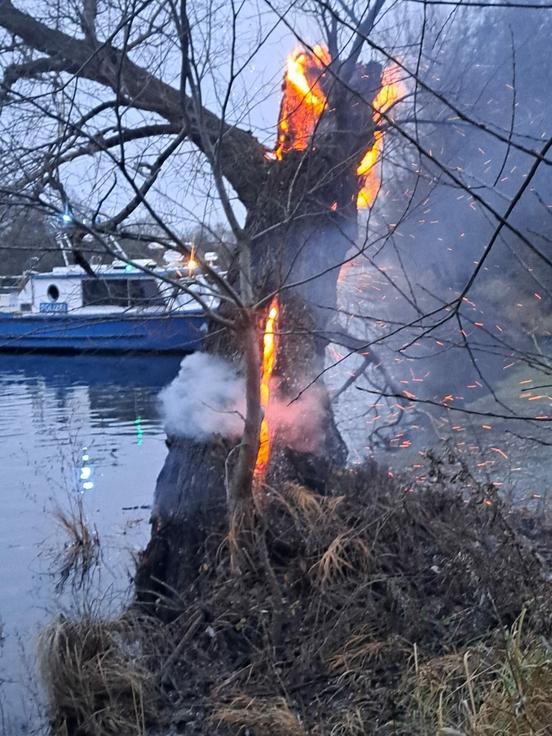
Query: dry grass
[
  {"x": 350, "y": 723},
  {"x": 299, "y": 501},
  {"x": 81, "y": 552},
  {"x": 262, "y": 716},
  {"x": 96, "y": 679},
  {"x": 315, "y": 635},
  {"x": 347, "y": 553},
  {"x": 322, "y": 623},
  {"x": 500, "y": 690},
  {"x": 360, "y": 651}
]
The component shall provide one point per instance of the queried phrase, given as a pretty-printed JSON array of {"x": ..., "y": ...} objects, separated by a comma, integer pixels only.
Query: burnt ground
[{"x": 374, "y": 610}]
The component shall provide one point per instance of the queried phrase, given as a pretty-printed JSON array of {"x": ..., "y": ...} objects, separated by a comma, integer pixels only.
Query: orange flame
[
  {"x": 303, "y": 100},
  {"x": 269, "y": 358},
  {"x": 391, "y": 90},
  {"x": 303, "y": 103}
]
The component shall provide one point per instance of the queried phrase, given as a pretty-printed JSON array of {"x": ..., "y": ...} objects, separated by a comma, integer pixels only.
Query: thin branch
[{"x": 430, "y": 402}]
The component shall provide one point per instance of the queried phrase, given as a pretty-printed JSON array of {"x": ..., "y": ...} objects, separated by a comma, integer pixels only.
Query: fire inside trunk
[
  {"x": 306, "y": 101},
  {"x": 269, "y": 357}
]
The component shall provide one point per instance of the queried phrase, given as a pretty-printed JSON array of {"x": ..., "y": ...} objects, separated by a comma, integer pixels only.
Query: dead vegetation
[
  {"x": 268, "y": 716},
  {"x": 97, "y": 678},
  {"x": 370, "y": 611},
  {"x": 488, "y": 690},
  {"x": 81, "y": 552}
]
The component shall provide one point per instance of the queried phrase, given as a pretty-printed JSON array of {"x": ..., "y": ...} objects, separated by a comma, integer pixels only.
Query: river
[{"x": 72, "y": 429}]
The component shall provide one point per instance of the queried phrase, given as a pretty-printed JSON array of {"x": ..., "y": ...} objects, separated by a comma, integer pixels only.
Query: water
[{"x": 70, "y": 428}]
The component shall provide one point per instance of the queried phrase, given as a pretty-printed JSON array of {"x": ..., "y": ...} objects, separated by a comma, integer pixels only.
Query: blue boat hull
[{"x": 172, "y": 333}]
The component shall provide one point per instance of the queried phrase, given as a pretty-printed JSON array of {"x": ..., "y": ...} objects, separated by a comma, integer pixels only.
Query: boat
[{"x": 122, "y": 306}]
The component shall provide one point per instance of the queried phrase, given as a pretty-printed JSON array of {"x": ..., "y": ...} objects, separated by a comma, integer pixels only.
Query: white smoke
[
  {"x": 299, "y": 424},
  {"x": 207, "y": 397}
]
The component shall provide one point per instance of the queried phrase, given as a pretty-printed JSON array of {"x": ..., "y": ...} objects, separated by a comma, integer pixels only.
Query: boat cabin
[{"x": 115, "y": 288}]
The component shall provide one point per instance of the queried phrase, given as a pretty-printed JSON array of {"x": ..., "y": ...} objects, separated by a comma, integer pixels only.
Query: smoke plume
[
  {"x": 207, "y": 398},
  {"x": 299, "y": 424}
]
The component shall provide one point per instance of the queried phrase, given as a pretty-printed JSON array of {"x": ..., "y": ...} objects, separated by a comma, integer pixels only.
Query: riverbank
[{"x": 370, "y": 611}]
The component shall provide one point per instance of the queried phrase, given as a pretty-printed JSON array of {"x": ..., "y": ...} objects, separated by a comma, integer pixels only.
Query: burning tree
[
  {"x": 291, "y": 203},
  {"x": 301, "y": 199}
]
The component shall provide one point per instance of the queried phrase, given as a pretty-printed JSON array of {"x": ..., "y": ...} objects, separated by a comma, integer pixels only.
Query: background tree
[{"x": 28, "y": 240}]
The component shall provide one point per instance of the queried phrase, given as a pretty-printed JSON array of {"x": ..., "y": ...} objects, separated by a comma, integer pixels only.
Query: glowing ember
[
  {"x": 269, "y": 358},
  {"x": 303, "y": 103}
]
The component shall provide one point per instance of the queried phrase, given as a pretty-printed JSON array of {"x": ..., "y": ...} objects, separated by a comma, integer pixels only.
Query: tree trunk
[
  {"x": 301, "y": 228},
  {"x": 190, "y": 498}
]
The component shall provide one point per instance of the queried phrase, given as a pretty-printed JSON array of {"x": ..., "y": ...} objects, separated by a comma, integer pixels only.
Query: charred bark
[
  {"x": 301, "y": 227},
  {"x": 190, "y": 496}
]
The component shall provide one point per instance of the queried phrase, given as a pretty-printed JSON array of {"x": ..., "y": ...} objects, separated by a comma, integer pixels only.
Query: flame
[
  {"x": 368, "y": 174},
  {"x": 269, "y": 358},
  {"x": 391, "y": 90},
  {"x": 191, "y": 264},
  {"x": 304, "y": 101}
]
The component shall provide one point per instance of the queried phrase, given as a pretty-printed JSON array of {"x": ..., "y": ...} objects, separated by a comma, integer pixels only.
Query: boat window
[
  {"x": 9, "y": 283},
  {"x": 105, "y": 291},
  {"x": 53, "y": 293},
  {"x": 144, "y": 293}
]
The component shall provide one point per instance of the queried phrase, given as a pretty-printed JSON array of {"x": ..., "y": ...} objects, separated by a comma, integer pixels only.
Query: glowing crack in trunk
[{"x": 270, "y": 344}]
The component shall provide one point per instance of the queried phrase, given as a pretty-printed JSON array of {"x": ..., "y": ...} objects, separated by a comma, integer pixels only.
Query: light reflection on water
[{"x": 69, "y": 427}]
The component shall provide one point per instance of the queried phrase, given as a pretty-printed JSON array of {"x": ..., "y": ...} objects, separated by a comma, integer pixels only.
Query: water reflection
[
  {"x": 70, "y": 427},
  {"x": 137, "y": 380}
]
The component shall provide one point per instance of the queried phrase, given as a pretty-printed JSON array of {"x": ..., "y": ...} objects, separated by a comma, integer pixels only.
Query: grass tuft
[
  {"x": 81, "y": 552},
  {"x": 96, "y": 680},
  {"x": 263, "y": 716}
]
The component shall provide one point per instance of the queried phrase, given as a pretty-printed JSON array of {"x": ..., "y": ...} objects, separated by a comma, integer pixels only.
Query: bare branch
[
  {"x": 240, "y": 155},
  {"x": 29, "y": 70}
]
